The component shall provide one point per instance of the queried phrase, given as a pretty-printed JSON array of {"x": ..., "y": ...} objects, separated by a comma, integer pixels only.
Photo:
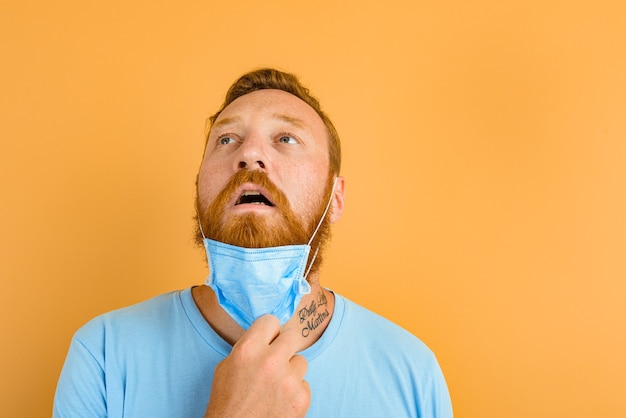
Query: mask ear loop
[
  {"x": 311, "y": 263},
  {"x": 332, "y": 193},
  {"x": 200, "y": 225}
]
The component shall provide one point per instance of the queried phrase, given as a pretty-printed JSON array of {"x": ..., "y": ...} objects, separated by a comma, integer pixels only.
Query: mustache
[
  {"x": 250, "y": 230},
  {"x": 260, "y": 178}
]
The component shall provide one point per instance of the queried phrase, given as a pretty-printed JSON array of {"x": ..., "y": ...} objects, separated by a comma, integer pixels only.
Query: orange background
[{"x": 485, "y": 156}]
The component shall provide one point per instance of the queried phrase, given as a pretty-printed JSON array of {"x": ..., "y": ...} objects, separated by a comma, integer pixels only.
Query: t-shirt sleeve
[
  {"x": 435, "y": 397},
  {"x": 81, "y": 391}
]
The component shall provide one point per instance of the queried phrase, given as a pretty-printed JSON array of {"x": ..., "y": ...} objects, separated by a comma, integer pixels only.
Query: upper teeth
[{"x": 250, "y": 193}]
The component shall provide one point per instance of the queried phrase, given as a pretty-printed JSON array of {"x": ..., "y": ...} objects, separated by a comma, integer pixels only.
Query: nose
[
  {"x": 252, "y": 154},
  {"x": 243, "y": 165}
]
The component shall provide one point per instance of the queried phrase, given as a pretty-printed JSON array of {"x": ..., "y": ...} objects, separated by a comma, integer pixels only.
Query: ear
[{"x": 338, "y": 199}]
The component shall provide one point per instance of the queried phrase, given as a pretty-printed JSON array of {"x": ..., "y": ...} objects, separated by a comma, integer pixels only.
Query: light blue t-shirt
[{"x": 156, "y": 359}]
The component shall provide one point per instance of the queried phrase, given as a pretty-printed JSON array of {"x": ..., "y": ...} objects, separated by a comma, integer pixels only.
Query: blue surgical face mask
[{"x": 251, "y": 282}]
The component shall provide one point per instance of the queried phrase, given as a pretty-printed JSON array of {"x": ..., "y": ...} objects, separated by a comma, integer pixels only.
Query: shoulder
[
  {"x": 131, "y": 320},
  {"x": 370, "y": 348},
  {"x": 371, "y": 325},
  {"x": 382, "y": 341}
]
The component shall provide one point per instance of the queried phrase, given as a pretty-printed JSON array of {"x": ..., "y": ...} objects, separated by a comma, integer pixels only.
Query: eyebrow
[
  {"x": 291, "y": 120},
  {"x": 299, "y": 123},
  {"x": 227, "y": 121}
]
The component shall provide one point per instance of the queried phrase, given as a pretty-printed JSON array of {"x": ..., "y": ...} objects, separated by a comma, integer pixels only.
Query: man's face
[{"x": 264, "y": 178}]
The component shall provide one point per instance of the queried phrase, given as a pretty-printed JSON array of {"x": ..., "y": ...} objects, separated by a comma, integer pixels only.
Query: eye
[
  {"x": 225, "y": 140},
  {"x": 287, "y": 139}
]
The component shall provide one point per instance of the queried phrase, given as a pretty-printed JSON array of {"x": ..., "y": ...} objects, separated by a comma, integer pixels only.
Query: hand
[{"x": 262, "y": 377}]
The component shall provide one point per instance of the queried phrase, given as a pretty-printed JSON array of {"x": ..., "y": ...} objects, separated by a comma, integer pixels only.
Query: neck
[{"x": 311, "y": 318}]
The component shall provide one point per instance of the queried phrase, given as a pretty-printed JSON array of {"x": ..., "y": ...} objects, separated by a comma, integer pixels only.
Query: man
[{"x": 263, "y": 338}]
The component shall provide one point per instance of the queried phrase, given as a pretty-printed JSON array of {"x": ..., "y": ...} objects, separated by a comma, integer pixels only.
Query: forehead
[{"x": 270, "y": 104}]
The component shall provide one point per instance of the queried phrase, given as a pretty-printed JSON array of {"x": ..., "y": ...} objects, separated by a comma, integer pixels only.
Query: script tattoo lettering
[
  {"x": 307, "y": 311},
  {"x": 311, "y": 325},
  {"x": 310, "y": 317},
  {"x": 321, "y": 299}
]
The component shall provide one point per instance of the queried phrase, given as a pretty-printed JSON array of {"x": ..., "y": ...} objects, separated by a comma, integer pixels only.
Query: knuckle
[
  {"x": 266, "y": 323},
  {"x": 302, "y": 398},
  {"x": 271, "y": 320},
  {"x": 243, "y": 350},
  {"x": 222, "y": 369},
  {"x": 292, "y": 386},
  {"x": 300, "y": 361}
]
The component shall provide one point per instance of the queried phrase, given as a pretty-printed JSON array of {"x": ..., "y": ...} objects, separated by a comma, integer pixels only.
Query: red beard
[{"x": 251, "y": 230}]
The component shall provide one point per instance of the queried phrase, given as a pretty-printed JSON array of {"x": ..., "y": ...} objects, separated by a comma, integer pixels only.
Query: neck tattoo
[{"x": 314, "y": 315}]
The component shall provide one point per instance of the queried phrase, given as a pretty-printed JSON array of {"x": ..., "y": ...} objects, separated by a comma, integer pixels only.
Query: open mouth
[{"x": 253, "y": 197}]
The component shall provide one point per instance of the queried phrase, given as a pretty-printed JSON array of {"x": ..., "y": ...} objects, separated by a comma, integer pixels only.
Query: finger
[
  {"x": 304, "y": 400},
  {"x": 288, "y": 342},
  {"x": 299, "y": 364},
  {"x": 262, "y": 331}
]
